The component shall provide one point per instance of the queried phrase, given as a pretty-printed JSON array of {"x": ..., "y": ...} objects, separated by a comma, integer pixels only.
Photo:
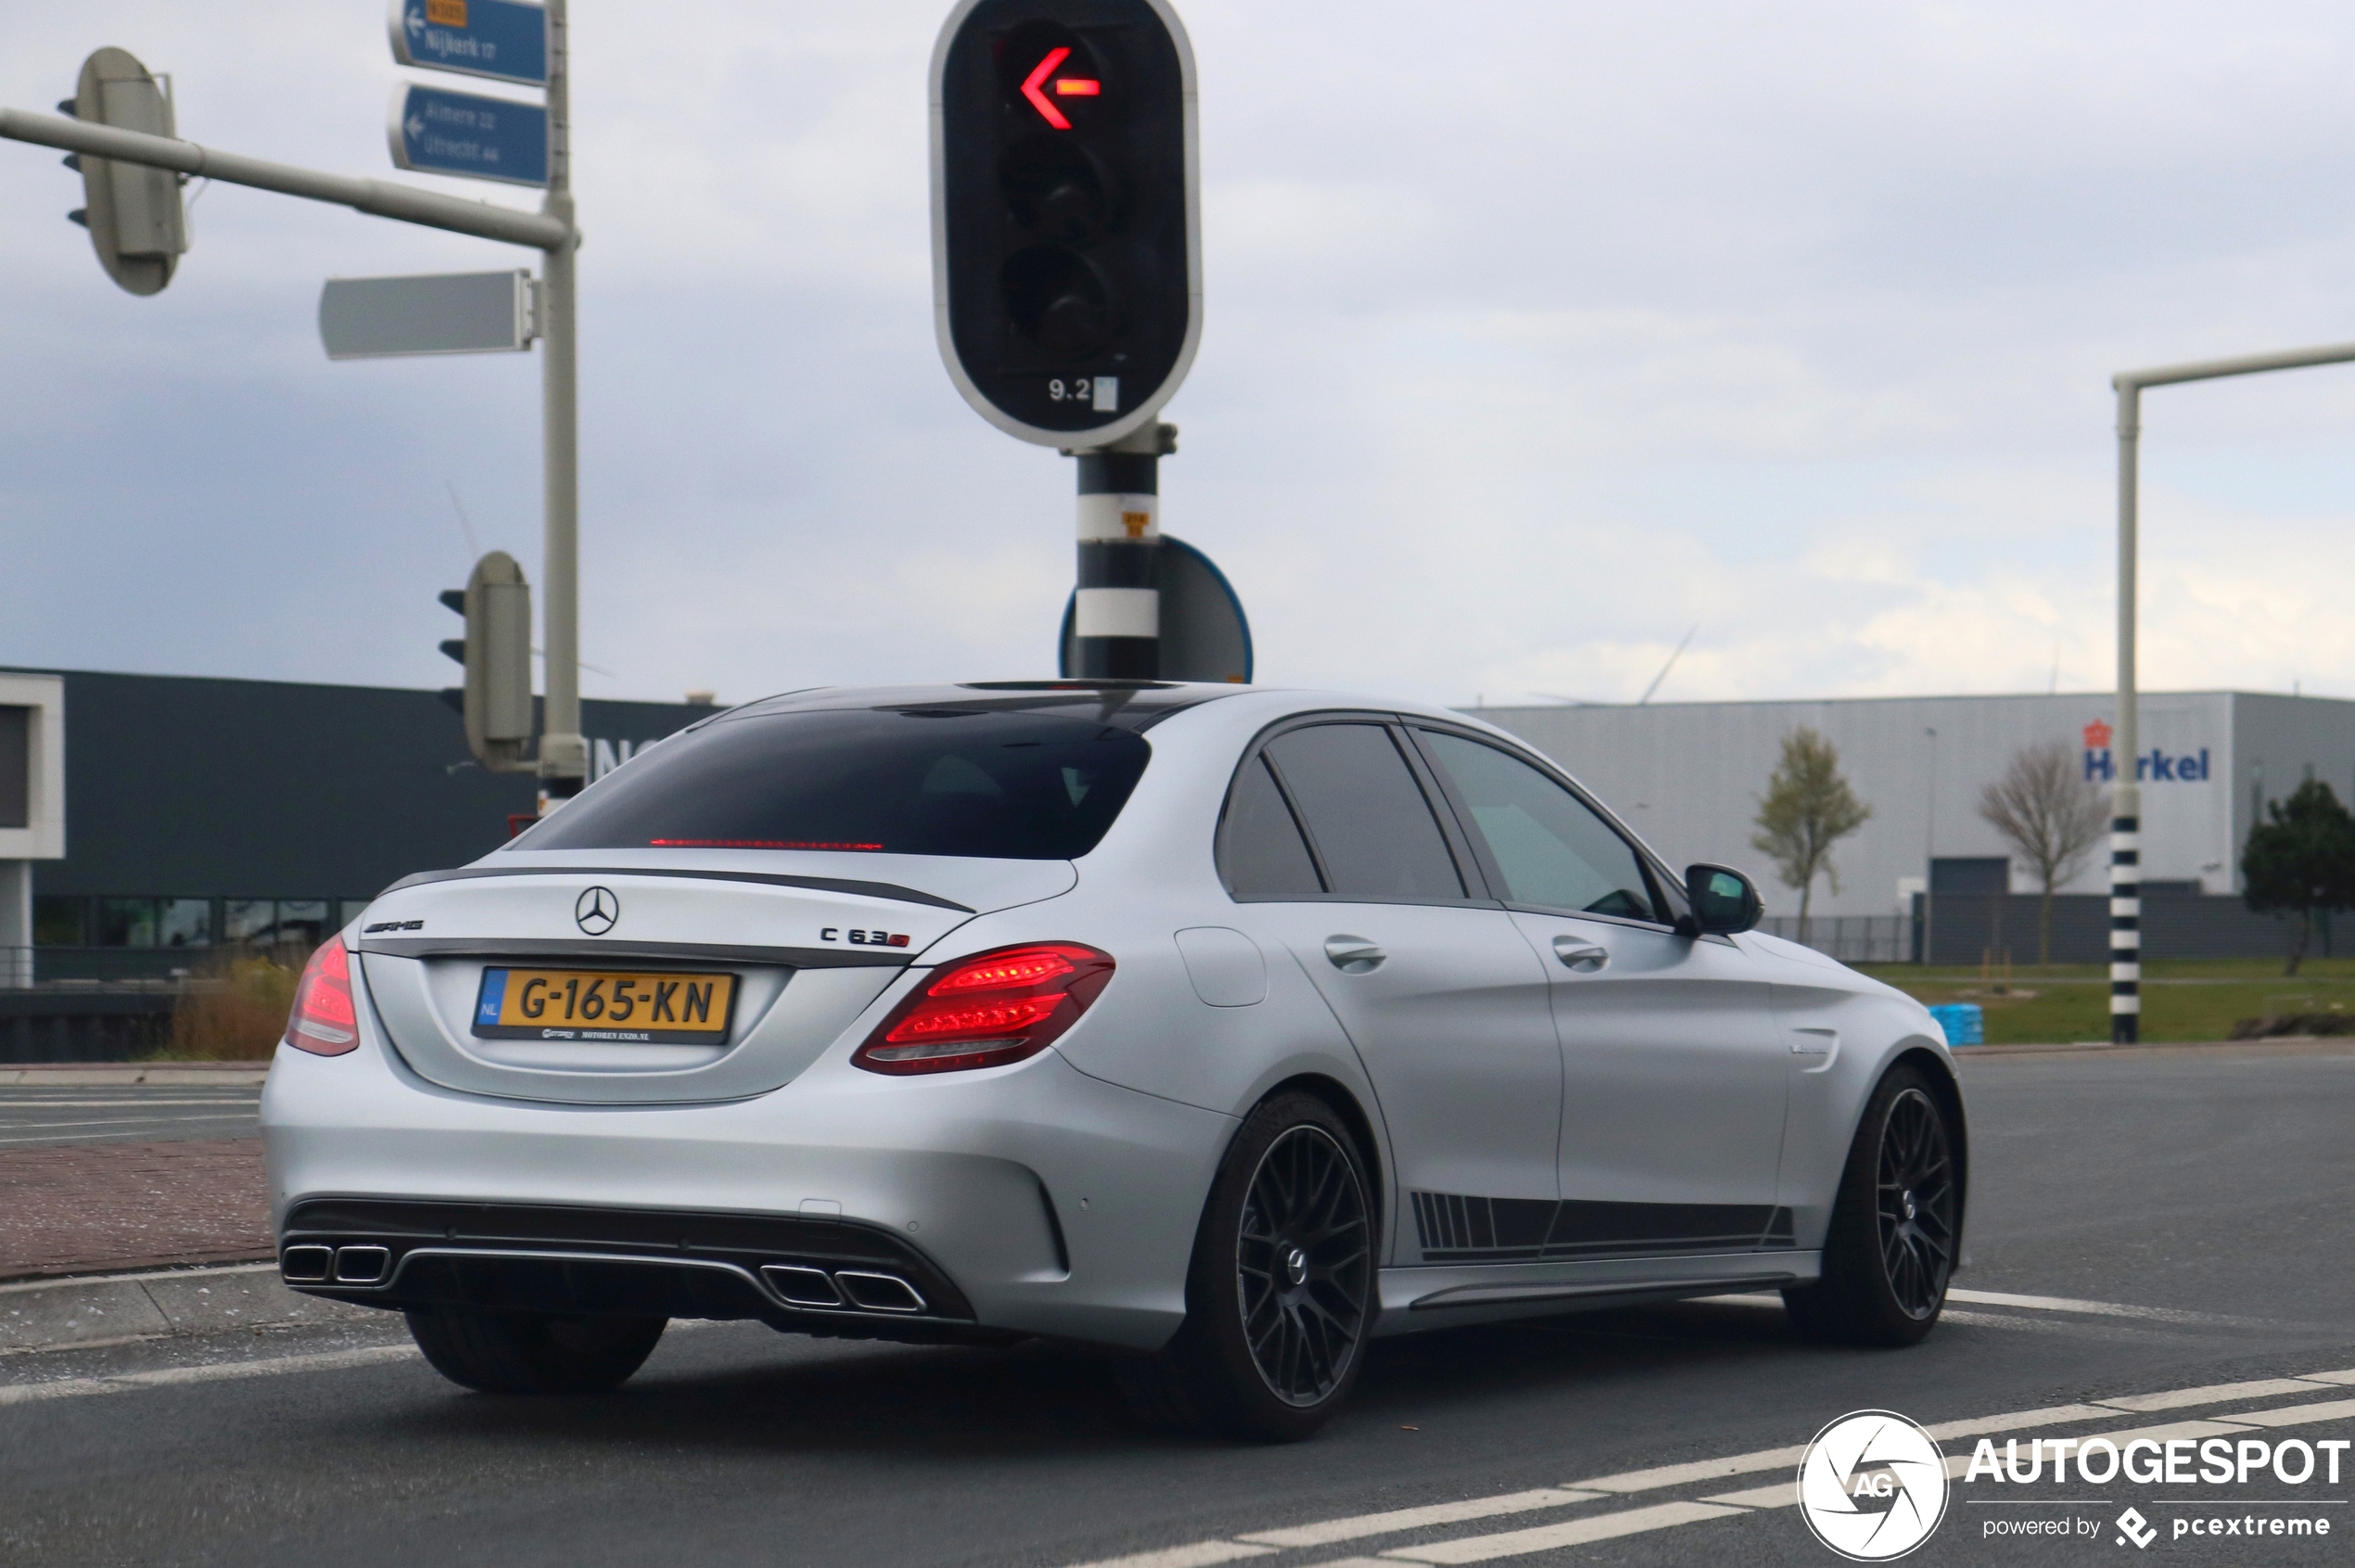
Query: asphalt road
[
  {"x": 53, "y": 1117},
  {"x": 2143, "y": 1225}
]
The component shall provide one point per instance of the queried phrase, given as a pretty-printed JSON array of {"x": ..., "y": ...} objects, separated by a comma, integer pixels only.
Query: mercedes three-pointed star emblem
[{"x": 596, "y": 910}]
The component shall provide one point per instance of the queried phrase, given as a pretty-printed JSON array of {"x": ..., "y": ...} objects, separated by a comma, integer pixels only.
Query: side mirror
[{"x": 1723, "y": 899}]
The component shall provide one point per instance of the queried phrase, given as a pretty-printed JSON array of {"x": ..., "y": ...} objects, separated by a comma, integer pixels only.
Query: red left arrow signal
[{"x": 1066, "y": 86}]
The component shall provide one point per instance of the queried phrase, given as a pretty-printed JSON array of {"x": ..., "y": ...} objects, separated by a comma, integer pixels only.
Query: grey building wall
[
  {"x": 1688, "y": 776},
  {"x": 198, "y": 789}
]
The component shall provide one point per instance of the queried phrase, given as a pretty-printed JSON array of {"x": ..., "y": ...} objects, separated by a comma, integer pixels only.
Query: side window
[
  {"x": 1260, "y": 853},
  {"x": 1552, "y": 849},
  {"x": 1364, "y": 813}
]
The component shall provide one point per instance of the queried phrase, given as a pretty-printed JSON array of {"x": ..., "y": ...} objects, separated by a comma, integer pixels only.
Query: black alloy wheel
[
  {"x": 1916, "y": 1205},
  {"x": 1280, "y": 1297},
  {"x": 1303, "y": 1265},
  {"x": 1890, "y": 1250}
]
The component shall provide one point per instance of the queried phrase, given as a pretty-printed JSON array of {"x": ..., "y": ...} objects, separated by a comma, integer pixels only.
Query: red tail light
[
  {"x": 325, "y": 1022},
  {"x": 988, "y": 1010}
]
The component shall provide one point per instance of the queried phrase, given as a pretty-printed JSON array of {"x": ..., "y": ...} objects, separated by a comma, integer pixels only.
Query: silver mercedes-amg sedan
[{"x": 1225, "y": 1026}]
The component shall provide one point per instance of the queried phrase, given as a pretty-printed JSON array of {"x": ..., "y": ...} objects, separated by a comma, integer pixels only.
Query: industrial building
[
  {"x": 1689, "y": 777},
  {"x": 145, "y": 818}
]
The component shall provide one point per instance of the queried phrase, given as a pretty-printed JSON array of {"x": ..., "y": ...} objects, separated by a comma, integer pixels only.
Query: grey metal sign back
[{"x": 441, "y": 314}]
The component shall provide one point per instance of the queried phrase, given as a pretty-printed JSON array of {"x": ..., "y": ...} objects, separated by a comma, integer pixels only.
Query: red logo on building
[{"x": 2097, "y": 736}]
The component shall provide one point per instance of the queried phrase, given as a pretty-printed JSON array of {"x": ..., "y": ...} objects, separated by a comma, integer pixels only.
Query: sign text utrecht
[{"x": 439, "y": 133}]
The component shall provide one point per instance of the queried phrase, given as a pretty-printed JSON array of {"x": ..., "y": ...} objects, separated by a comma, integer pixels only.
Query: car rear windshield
[{"x": 918, "y": 780}]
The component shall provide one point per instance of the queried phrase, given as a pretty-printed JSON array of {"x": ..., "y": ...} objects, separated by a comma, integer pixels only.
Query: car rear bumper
[{"x": 1031, "y": 1199}]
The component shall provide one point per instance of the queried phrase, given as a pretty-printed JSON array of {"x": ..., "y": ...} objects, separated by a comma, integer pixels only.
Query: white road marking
[
  {"x": 1776, "y": 1495},
  {"x": 18, "y": 1102},
  {"x": 126, "y": 1121},
  {"x": 1397, "y": 1519},
  {"x": 1201, "y": 1554},
  {"x": 1571, "y": 1532},
  {"x": 124, "y": 1382},
  {"x": 2215, "y": 1394},
  {"x": 2296, "y": 1415},
  {"x": 2088, "y": 1308}
]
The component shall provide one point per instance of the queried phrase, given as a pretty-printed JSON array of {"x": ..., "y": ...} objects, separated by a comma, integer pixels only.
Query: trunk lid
[{"x": 809, "y": 940}]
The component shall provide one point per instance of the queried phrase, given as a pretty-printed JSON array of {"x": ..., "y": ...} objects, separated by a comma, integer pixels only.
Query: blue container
[{"x": 1963, "y": 1021}]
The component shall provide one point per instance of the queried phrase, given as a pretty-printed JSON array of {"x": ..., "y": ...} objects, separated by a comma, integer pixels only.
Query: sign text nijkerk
[{"x": 2153, "y": 766}]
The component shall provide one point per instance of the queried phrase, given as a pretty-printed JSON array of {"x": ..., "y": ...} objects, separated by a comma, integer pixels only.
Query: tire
[
  {"x": 1280, "y": 1297},
  {"x": 1890, "y": 1254},
  {"x": 532, "y": 1352}
]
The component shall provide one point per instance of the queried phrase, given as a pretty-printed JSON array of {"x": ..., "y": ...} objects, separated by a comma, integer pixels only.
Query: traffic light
[
  {"x": 1066, "y": 259},
  {"x": 496, "y": 651},
  {"x": 132, "y": 212}
]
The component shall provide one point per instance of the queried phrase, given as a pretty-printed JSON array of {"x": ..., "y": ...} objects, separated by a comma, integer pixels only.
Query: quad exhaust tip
[
  {"x": 306, "y": 1265},
  {"x": 805, "y": 1287}
]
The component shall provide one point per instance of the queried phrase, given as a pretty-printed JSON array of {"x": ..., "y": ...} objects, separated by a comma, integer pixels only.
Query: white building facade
[{"x": 1688, "y": 777}]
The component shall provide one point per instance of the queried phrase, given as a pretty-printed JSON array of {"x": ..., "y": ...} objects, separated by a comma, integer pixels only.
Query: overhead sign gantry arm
[{"x": 420, "y": 39}]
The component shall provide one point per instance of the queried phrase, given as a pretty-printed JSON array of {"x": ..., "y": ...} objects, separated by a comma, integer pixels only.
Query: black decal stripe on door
[{"x": 1454, "y": 1228}]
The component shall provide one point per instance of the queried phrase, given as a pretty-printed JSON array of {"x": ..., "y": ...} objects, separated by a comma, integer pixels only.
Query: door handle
[
  {"x": 1353, "y": 955},
  {"x": 1578, "y": 953}
]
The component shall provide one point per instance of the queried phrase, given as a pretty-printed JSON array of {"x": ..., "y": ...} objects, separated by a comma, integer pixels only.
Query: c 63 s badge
[{"x": 859, "y": 938}]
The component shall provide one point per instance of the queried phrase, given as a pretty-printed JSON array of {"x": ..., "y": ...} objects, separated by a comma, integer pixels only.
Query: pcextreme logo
[{"x": 1872, "y": 1486}]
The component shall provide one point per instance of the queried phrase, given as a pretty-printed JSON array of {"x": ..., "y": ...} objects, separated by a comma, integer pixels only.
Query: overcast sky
[{"x": 1536, "y": 335}]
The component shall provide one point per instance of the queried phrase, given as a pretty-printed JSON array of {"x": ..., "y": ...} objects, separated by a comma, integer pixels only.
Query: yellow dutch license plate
[{"x": 603, "y": 1004}]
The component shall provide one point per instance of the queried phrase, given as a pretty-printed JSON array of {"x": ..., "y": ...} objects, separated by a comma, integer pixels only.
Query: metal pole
[
  {"x": 1116, "y": 612},
  {"x": 2126, "y": 748},
  {"x": 377, "y": 197},
  {"x": 1930, "y": 855},
  {"x": 564, "y": 755}
]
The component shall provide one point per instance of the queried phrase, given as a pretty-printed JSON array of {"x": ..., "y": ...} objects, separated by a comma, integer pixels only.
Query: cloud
[{"x": 1533, "y": 339}]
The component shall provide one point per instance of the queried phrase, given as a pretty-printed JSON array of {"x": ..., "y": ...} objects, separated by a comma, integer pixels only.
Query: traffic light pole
[
  {"x": 2126, "y": 750},
  {"x": 564, "y": 755},
  {"x": 1116, "y": 613}
]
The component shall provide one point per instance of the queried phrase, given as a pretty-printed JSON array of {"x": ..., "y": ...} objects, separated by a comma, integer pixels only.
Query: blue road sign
[
  {"x": 439, "y": 133},
  {"x": 497, "y": 38}
]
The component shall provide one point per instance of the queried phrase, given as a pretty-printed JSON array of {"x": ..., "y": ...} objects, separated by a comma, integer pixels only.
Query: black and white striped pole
[
  {"x": 2126, "y": 795},
  {"x": 2126, "y": 790},
  {"x": 1117, "y": 610}
]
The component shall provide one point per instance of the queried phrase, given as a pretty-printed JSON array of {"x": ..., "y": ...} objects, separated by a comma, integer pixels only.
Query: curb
[
  {"x": 2279, "y": 1045},
  {"x": 56, "y": 1074},
  {"x": 117, "y": 1308}
]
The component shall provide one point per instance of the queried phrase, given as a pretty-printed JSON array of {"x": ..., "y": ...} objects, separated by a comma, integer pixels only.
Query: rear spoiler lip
[
  {"x": 890, "y": 890},
  {"x": 599, "y": 951}
]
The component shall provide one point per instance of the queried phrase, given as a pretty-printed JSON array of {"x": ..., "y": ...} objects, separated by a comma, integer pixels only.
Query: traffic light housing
[
  {"x": 133, "y": 213},
  {"x": 1066, "y": 252},
  {"x": 496, "y": 651}
]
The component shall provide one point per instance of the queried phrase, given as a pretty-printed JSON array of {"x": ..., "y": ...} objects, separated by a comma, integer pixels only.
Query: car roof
[{"x": 1136, "y": 705}]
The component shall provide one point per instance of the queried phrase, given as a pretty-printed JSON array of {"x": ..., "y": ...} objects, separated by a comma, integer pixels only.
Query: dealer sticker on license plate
[{"x": 604, "y": 1005}]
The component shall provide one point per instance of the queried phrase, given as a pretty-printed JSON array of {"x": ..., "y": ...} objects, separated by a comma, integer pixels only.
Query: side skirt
[{"x": 1414, "y": 1299}]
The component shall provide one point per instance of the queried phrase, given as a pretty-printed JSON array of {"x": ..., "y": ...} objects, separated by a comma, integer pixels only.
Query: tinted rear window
[{"x": 1023, "y": 786}]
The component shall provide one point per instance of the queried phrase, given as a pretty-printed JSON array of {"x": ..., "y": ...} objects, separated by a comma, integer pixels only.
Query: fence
[{"x": 1852, "y": 939}]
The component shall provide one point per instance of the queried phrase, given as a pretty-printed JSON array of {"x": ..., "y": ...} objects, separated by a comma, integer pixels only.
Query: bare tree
[
  {"x": 1808, "y": 807},
  {"x": 2047, "y": 811}
]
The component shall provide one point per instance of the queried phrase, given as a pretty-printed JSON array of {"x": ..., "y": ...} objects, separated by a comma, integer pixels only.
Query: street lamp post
[{"x": 2126, "y": 790}]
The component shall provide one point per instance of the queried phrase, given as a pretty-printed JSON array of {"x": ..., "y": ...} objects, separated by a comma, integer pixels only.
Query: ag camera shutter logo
[{"x": 1872, "y": 1486}]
